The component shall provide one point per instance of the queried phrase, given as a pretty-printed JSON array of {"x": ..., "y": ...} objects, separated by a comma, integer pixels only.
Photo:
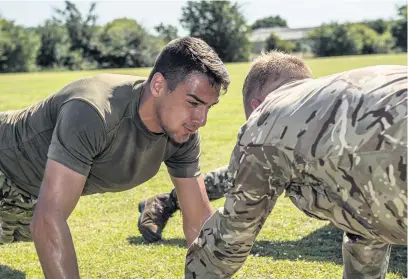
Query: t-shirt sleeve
[
  {"x": 185, "y": 162},
  {"x": 79, "y": 136}
]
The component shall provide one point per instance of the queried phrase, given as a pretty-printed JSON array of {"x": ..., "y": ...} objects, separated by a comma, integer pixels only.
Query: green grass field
[{"x": 104, "y": 227}]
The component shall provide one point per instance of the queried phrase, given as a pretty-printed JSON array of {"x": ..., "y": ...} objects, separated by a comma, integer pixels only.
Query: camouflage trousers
[
  {"x": 217, "y": 184},
  {"x": 16, "y": 211},
  {"x": 364, "y": 256}
]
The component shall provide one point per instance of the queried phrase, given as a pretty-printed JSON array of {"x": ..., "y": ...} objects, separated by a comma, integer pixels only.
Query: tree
[
  {"x": 55, "y": 44},
  {"x": 167, "y": 32},
  {"x": 18, "y": 47},
  {"x": 81, "y": 29},
  {"x": 124, "y": 43},
  {"x": 271, "y": 21},
  {"x": 221, "y": 25},
  {"x": 368, "y": 37},
  {"x": 379, "y": 25},
  {"x": 384, "y": 43},
  {"x": 335, "y": 39},
  {"x": 349, "y": 39},
  {"x": 273, "y": 42},
  {"x": 399, "y": 29}
]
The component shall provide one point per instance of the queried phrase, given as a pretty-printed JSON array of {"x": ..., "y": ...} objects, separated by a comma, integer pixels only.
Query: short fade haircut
[
  {"x": 184, "y": 56},
  {"x": 273, "y": 65}
]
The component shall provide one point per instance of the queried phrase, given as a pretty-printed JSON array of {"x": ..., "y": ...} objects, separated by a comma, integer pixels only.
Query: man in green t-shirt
[{"x": 106, "y": 133}]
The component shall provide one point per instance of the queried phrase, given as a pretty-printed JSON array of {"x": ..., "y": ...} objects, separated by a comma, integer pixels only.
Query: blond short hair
[{"x": 271, "y": 66}]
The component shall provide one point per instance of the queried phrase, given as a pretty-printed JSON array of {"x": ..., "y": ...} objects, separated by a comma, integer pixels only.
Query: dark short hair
[{"x": 187, "y": 55}]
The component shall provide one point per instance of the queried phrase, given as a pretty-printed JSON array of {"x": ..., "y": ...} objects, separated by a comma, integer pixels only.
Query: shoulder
[
  {"x": 111, "y": 95},
  {"x": 377, "y": 70},
  {"x": 99, "y": 87},
  {"x": 80, "y": 115}
]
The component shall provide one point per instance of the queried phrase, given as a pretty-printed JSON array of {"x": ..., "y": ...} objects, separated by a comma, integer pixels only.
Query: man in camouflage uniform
[{"x": 336, "y": 145}]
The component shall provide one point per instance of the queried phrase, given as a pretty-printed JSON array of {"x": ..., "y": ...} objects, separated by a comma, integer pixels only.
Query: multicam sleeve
[{"x": 227, "y": 237}]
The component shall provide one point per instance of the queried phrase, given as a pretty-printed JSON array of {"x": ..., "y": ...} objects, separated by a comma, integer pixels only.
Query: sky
[{"x": 298, "y": 13}]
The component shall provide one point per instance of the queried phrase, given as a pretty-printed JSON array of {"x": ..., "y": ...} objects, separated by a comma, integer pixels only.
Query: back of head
[
  {"x": 187, "y": 55},
  {"x": 271, "y": 70}
]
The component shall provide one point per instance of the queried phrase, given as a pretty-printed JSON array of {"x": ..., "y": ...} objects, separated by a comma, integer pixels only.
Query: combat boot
[{"x": 154, "y": 214}]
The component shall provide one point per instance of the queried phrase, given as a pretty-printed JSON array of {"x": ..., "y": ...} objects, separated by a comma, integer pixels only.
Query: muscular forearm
[
  {"x": 190, "y": 233},
  {"x": 192, "y": 227},
  {"x": 55, "y": 248}
]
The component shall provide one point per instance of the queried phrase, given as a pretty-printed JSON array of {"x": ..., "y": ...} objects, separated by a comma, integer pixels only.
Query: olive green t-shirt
[{"x": 92, "y": 126}]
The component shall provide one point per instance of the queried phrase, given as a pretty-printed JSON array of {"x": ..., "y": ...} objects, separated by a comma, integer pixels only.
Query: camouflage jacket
[{"x": 336, "y": 145}]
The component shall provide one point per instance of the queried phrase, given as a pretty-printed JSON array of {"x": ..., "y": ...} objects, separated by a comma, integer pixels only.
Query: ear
[
  {"x": 158, "y": 85},
  {"x": 255, "y": 103}
]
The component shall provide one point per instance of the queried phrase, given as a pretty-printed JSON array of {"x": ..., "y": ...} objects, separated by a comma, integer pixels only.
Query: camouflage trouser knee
[
  {"x": 364, "y": 258},
  {"x": 16, "y": 211},
  {"x": 217, "y": 184}
]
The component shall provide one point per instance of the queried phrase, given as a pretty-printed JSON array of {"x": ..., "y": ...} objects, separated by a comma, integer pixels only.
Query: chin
[
  {"x": 180, "y": 138},
  {"x": 177, "y": 136}
]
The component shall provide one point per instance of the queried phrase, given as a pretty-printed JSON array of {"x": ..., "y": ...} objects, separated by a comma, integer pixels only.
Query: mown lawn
[{"x": 104, "y": 227}]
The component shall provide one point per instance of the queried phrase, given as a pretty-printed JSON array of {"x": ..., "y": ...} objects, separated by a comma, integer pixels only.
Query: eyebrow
[{"x": 197, "y": 99}]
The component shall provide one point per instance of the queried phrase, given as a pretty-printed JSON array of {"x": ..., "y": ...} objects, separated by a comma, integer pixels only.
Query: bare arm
[
  {"x": 60, "y": 191},
  {"x": 194, "y": 204}
]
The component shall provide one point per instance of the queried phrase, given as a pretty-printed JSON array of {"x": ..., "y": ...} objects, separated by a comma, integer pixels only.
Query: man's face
[{"x": 184, "y": 110}]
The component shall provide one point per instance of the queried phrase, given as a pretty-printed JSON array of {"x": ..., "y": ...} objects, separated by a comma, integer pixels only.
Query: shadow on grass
[
  {"x": 323, "y": 245},
  {"x": 138, "y": 240},
  {"x": 9, "y": 273}
]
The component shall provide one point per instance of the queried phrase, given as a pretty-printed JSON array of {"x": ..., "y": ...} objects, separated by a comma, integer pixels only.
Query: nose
[{"x": 200, "y": 117}]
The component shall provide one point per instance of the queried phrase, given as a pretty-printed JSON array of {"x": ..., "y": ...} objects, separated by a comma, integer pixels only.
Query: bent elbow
[{"x": 40, "y": 224}]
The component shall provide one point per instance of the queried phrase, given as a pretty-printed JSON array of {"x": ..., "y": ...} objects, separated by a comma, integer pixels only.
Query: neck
[{"x": 147, "y": 110}]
